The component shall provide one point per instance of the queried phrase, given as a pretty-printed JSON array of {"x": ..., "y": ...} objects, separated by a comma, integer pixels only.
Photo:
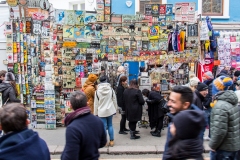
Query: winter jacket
[
  {"x": 169, "y": 135},
  {"x": 208, "y": 98},
  {"x": 105, "y": 102},
  {"x": 8, "y": 93},
  {"x": 133, "y": 101},
  {"x": 225, "y": 123},
  {"x": 23, "y": 145},
  {"x": 120, "y": 90},
  {"x": 198, "y": 99},
  {"x": 89, "y": 89},
  {"x": 154, "y": 107},
  {"x": 84, "y": 136}
]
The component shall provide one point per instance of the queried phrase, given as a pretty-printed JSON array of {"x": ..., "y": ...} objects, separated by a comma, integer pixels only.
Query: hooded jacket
[
  {"x": 8, "y": 91},
  {"x": 105, "y": 102},
  {"x": 89, "y": 90},
  {"x": 198, "y": 99},
  {"x": 23, "y": 145},
  {"x": 225, "y": 122}
]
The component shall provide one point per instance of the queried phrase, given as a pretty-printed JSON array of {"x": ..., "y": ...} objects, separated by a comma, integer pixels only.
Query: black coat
[
  {"x": 120, "y": 90},
  {"x": 208, "y": 98},
  {"x": 84, "y": 136},
  {"x": 198, "y": 99},
  {"x": 133, "y": 101},
  {"x": 154, "y": 106},
  {"x": 8, "y": 91}
]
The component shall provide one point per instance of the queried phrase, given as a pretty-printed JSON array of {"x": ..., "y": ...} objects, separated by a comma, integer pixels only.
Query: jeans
[
  {"x": 208, "y": 112},
  {"x": 123, "y": 122},
  {"x": 107, "y": 121},
  {"x": 223, "y": 155}
]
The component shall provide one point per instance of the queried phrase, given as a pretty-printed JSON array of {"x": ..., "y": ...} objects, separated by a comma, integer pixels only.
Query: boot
[
  {"x": 133, "y": 136},
  {"x": 111, "y": 143},
  {"x": 157, "y": 134},
  {"x": 122, "y": 132},
  {"x": 126, "y": 130},
  {"x": 153, "y": 131},
  {"x": 137, "y": 132}
]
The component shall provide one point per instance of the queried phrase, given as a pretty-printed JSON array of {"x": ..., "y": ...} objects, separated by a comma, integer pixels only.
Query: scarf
[{"x": 77, "y": 113}]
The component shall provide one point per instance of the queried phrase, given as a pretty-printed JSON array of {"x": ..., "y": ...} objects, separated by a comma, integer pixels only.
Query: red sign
[{"x": 162, "y": 9}]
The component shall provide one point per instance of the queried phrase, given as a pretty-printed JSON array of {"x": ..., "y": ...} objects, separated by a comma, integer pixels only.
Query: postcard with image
[
  {"x": 69, "y": 17},
  {"x": 59, "y": 16},
  {"x": 79, "y": 17}
]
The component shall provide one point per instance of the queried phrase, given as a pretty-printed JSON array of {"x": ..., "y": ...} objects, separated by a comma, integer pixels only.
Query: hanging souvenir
[
  {"x": 59, "y": 15},
  {"x": 155, "y": 10},
  {"x": 148, "y": 9},
  {"x": 68, "y": 32},
  {"x": 28, "y": 25},
  {"x": 44, "y": 4},
  {"x": 90, "y": 17},
  {"x": 46, "y": 28},
  {"x": 153, "y": 32},
  {"x": 192, "y": 30},
  {"x": 169, "y": 9},
  {"x": 37, "y": 25},
  {"x": 12, "y": 3}
]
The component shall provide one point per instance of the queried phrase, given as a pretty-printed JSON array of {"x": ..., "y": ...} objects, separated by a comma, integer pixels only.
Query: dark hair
[
  {"x": 142, "y": 69},
  {"x": 133, "y": 84},
  {"x": 122, "y": 79},
  {"x": 2, "y": 73},
  {"x": 78, "y": 100},
  {"x": 14, "y": 85},
  {"x": 13, "y": 117},
  {"x": 145, "y": 92},
  {"x": 186, "y": 93}
]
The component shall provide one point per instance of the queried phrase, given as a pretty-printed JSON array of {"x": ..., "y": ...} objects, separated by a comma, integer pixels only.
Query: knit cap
[
  {"x": 221, "y": 84},
  {"x": 237, "y": 73},
  {"x": 194, "y": 81},
  {"x": 9, "y": 76},
  {"x": 201, "y": 87},
  {"x": 189, "y": 124},
  {"x": 208, "y": 75},
  {"x": 92, "y": 78}
]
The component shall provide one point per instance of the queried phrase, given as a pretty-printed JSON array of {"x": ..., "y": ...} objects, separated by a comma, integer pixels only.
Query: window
[
  {"x": 142, "y": 4},
  {"x": 75, "y": 7},
  {"x": 217, "y": 9},
  {"x": 212, "y": 7},
  {"x": 82, "y": 6}
]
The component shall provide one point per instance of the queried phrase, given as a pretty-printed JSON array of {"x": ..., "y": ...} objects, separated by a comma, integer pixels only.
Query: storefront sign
[
  {"x": 70, "y": 44},
  {"x": 12, "y": 3}
]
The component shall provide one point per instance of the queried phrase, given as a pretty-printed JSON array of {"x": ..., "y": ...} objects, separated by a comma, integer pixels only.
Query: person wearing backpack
[
  {"x": 9, "y": 90},
  {"x": 105, "y": 106}
]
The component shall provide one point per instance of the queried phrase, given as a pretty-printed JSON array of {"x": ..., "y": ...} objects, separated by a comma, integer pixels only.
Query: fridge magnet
[
  {"x": 68, "y": 32},
  {"x": 162, "y": 9},
  {"x": 107, "y": 10},
  {"x": 169, "y": 9},
  {"x": 148, "y": 9},
  {"x": 108, "y": 3},
  {"x": 79, "y": 31},
  {"x": 37, "y": 25},
  {"x": 44, "y": 4},
  {"x": 12, "y": 3},
  {"x": 46, "y": 28},
  {"x": 100, "y": 15},
  {"x": 155, "y": 10}
]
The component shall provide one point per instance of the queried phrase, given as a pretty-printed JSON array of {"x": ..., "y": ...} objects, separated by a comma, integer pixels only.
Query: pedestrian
[
  {"x": 105, "y": 106},
  {"x": 133, "y": 101},
  {"x": 155, "y": 102},
  {"x": 2, "y": 75},
  {"x": 85, "y": 133},
  {"x": 19, "y": 142},
  {"x": 225, "y": 138},
  {"x": 238, "y": 95},
  {"x": 208, "y": 80},
  {"x": 193, "y": 82},
  {"x": 9, "y": 90},
  {"x": 180, "y": 98},
  {"x": 185, "y": 143},
  {"x": 89, "y": 89},
  {"x": 120, "y": 72},
  {"x": 120, "y": 89},
  {"x": 233, "y": 87},
  {"x": 199, "y": 95},
  {"x": 103, "y": 73},
  {"x": 224, "y": 72}
]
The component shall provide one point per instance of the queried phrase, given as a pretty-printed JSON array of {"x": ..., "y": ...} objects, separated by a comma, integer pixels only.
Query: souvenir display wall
[{"x": 52, "y": 51}]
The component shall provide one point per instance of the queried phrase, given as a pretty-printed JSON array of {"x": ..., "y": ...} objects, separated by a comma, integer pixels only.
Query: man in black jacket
[
  {"x": 85, "y": 132},
  {"x": 200, "y": 94}
]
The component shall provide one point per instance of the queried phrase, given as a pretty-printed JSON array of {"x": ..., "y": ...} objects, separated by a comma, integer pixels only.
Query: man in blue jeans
[{"x": 225, "y": 138}]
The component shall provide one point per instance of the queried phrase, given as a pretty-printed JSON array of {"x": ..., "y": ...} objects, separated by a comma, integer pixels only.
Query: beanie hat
[
  {"x": 102, "y": 68},
  {"x": 221, "y": 84},
  {"x": 189, "y": 124},
  {"x": 201, "y": 87},
  {"x": 103, "y": 79},
  {"x": 92, "y": 78},
  {"x": 9, "y": 76},
  {"x": 208, "y": 75},
  {"x": 194, "y": 81},
  {"x": 237, "y": 73}
]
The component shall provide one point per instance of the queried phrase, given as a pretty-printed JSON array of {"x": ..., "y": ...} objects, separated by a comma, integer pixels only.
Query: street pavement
[{"x": 147, "y": 144}]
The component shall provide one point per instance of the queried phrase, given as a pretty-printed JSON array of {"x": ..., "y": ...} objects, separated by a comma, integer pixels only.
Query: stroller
[{"x": 144, "y": 123}]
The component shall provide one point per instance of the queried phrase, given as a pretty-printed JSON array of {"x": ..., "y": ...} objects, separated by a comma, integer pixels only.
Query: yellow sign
[
  {"x": 69, "y": 44},
  {"x": 12, "y": 3}
]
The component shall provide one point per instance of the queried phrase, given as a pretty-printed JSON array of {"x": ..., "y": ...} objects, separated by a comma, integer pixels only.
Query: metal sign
[{"x": 12, "y": 3}]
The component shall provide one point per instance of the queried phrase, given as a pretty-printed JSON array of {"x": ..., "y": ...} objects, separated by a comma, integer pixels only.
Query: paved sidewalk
[{"x": 148, "y": 144}]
